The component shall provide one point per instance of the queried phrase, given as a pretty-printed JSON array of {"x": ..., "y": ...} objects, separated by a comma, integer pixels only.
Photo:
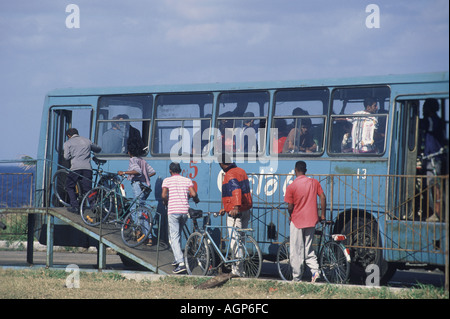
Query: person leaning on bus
[
  {"x": 78, "y": 149},
  {"x": 236, "y": 199},
  {"x": 301, "y": 197}
]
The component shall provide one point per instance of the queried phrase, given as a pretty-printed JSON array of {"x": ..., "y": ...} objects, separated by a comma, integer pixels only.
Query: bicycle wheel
[
  {"x": 196, "y": 255},
  {"x": 251, "y": 264},
  {"x": 96, "y": 206},
  {"x": 137, "y": 226},
  {"x": 284, "y": 261},
  {"x": 333, "y": 263},
  {"x": 60, "y": 189}
]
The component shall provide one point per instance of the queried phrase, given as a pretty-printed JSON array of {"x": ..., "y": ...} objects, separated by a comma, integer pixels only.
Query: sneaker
[
  {"x": 180, "y": 269},
  {"x": 174, "y": 263},
  {"x": 315, "y": 276}
]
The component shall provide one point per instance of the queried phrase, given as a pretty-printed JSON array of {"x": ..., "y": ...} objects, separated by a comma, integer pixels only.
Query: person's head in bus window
[
  {"x": 370, "y": 105},
  {"x": 430, "y": 107},
  {"x": 249, "y": 119}
]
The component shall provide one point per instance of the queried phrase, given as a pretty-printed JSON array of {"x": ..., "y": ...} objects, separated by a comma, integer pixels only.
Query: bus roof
[{"x": 365, "y": 80}]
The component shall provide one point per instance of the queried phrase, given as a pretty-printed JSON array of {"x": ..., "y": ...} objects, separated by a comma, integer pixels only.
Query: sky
[{"x": 148, "y": 42}]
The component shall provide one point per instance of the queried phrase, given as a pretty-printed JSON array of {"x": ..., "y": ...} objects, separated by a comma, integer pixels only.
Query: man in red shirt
[{"x": 301, "y": 197}]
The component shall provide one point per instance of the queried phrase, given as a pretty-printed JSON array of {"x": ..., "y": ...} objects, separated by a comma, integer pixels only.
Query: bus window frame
[
  {"x": 157, "y": 119},
  {"x": 262, "y": 136},
  {"x": 324, "y": 116},
  {"x": 146, "y": 119},
  {"x": 332, "y": 118}
]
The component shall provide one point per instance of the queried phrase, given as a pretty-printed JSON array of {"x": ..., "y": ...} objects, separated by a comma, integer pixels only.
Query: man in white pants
[{"x": 301, "y": 197}]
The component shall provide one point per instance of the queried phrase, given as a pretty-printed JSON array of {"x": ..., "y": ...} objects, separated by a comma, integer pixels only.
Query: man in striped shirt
[{"x": 176, "y": 190}]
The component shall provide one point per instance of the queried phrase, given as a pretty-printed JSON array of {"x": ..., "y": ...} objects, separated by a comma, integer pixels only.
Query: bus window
[
  {"x": 182, "y": 124},
  {"x": 122, "y": 120},
  {"x": 358, "y": 120},
  {"x": 242, "y": 122},
  {"x": 299, "y": 121}
]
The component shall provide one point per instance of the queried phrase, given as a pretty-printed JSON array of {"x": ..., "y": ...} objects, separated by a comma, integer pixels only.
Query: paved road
[{"x": 402, "y": 278}]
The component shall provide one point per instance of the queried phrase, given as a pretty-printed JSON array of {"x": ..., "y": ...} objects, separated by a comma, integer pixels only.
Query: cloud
[{"x": 187, "y": 41}]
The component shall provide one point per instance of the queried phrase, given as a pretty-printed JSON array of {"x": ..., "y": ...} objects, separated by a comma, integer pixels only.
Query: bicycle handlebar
[{"x": 441, "y": 151}]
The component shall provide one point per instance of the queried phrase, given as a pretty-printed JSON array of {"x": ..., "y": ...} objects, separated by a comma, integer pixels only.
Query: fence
[
  {"x": 16, "y": 191},
  {"x": 405, "y": 215}
]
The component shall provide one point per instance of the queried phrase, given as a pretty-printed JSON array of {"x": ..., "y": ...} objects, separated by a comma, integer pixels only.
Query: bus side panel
[{"x": 415, "y": 242}]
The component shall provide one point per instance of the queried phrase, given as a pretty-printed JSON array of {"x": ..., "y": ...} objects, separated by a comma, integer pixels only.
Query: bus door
[
  {"x": 407, "y": 148},
  {"x": 61, "y": 119}
]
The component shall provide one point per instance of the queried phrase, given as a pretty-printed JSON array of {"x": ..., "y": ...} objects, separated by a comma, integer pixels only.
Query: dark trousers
[{"x": 85, "y": 175}]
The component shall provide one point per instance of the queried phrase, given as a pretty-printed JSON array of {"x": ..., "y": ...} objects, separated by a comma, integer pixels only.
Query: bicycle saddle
[
  {"x": 98, "y": 161},
  {"x": 195, "y": 213}
]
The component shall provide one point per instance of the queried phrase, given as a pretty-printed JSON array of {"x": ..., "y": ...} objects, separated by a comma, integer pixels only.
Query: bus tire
[{"x": 364, "y": 232}]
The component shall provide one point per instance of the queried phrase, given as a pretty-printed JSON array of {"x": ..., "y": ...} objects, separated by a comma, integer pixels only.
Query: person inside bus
[
  {"x": 118, "y": 136},
  {"x": 112, "y": 139},
  {"x": 279, "y": 135},
  {"x": 364, "y": 128},
  {"x": 225, "y": 140},
  {"x": 433, "y": 128},
  {"x": 346, "y": 143},
  {"x": 300, "y": 139},
  {"x": 247, "y": 138}
]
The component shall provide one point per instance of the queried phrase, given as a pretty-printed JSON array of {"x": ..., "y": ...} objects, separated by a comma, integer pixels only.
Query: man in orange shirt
[
  {"x": 301, "y": 197},
  {"x": 236, "y": 200}
]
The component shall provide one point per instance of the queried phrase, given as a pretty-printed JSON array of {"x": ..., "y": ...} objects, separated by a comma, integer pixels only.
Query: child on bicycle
[{"x": 139, "y": 173}]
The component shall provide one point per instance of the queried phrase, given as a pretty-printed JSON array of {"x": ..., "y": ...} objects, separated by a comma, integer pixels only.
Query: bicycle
[
  {"x": 201, "y": 250},
  {"x": 136, "y": 220},
  {"x": 60, "y": 177},
  {"x": 334, "y": 257}
]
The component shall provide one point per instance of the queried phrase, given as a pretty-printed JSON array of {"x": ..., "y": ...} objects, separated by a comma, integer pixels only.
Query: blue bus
[{"x": 367, "y": 162}]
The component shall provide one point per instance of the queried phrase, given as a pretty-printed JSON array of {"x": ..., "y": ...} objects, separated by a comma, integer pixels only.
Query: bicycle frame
[
  {"x": 238, "y": 233},
  {"x": 326, "y": 244},
  {"x": 120, "y": 201},
  {"x": 242, "y": 250}
]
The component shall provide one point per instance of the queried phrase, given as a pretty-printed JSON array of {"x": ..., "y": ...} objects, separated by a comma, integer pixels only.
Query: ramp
[{"x": 156, "y": 258}]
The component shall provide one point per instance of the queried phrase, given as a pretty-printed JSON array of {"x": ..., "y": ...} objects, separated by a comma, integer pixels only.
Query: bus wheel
[{"x": 365, "y": 248}]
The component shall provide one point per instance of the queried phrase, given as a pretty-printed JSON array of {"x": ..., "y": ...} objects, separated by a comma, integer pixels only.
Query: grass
[{"x": 51, "y": 284}]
